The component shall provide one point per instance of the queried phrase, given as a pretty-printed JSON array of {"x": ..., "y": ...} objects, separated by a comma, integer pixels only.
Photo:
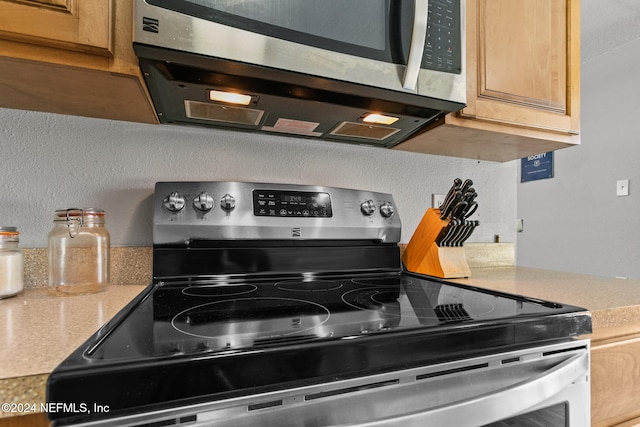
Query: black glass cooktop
[
  {"x": 201, "y": 338},
  {"x": 219, "y": 316}
]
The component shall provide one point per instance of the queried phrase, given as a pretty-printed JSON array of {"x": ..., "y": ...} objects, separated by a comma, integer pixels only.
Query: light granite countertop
[
  {"x": 612, "y": 302},
  {"x": 38, "y": 330}
]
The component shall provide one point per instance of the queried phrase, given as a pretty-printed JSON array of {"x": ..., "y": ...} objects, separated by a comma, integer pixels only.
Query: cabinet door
[
  {"x": 78, "y": 25},
  {"x": 615, "y": 385},
  {"x": 525, "y": 67}
]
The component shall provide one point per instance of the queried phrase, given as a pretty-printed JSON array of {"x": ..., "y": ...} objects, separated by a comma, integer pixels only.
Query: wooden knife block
[{"x": 422, "y": 254}]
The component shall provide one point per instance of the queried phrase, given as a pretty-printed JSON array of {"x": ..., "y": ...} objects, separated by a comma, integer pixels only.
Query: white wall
[
  {"x": 574, "y": 222},
  {"x": 52, "y": 162}
]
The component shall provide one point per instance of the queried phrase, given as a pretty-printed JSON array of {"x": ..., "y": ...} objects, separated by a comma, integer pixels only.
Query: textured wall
[
  {"x": 574, "y": 222},
  {"x": 52, "y": 162},
  {"x": 607, "y": 25}
]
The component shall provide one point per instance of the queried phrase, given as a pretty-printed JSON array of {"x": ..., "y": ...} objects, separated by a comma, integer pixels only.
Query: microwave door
[
  {"x": 379, "y": 30},
  {"x": 366, "y": 42}
]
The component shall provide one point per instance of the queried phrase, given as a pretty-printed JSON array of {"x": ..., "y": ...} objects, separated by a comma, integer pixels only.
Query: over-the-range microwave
[{"x": 360, "y": 71}]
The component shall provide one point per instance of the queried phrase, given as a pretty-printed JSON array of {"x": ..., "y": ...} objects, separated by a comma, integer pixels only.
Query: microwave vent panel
[
  {"x": 222, "y": 113},
  {"x": 365, "y": 131}
]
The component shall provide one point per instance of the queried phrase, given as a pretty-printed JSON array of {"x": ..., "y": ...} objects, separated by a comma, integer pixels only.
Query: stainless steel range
[{"x": 287, "y": 305}]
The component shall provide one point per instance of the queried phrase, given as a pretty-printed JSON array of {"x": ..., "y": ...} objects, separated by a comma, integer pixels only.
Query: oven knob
[
  {"x": 386, "y": 209},
  {"x": 203, "y": 202},
  {"x": 174, "y": 202},
  {"x": 227, "y": 202},
  {"x": 368, "y": 207}
]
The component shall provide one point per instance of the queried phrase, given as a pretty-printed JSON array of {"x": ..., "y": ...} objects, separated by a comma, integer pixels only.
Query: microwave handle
[
  {"x": 502, "y": 403},
  {"x": 416, "y": 50}
]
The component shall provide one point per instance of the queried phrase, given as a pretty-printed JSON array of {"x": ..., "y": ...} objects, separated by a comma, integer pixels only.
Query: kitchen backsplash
[{"x": 129, "y": 266}]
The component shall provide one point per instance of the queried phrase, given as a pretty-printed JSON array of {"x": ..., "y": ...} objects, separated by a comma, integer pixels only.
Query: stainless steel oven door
[{"x": 548, "y": 385}]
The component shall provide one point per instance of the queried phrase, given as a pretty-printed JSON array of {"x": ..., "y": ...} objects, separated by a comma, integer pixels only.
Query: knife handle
[
  {"x": 468, "y": 228},
  {"x": 470, "y": 209},
  {"x": 453, "y": 227},
  {"x": 458, "y": 210},
  {"x": 466, "y": 185},
  {"x": 457, "y": 182},
  {"x": 447, "y": 206},
  {"x": 470, "y": 195},
  {"x": 473, "y": 225},
  {"x": 460, "y": 232},
  {"x": 450, "y": 194},
  {"x": 442, "y": 234}
]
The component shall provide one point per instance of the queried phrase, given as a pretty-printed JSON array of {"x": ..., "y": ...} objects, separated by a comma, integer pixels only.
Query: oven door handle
[
  {"x": 503, "y": 403},
  {"x": 418, "y": 39}
]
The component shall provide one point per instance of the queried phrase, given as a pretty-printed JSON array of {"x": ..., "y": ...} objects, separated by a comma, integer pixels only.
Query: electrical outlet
[
  {"x": 437, "y": 200},
  {"x": 622, "y": 187}
]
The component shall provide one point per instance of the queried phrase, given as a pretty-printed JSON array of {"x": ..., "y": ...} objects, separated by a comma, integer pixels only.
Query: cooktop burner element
[
  {"x": 247, "y": 320},
  {"x": 218, "y": 290},
  {"x": 383, "y": 281},
  {"x": 248, "y": 297},
  {"x": 377, "y": 298},
  {"x": 308, "y": 285}
]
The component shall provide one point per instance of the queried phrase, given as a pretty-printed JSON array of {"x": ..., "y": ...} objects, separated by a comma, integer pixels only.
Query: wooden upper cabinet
[
  {"x": 71, "y": 57},
  {"x": 523, "y": 83},
  {"x": 78, "y": 25},
  {"x": 521, "y": 63}
]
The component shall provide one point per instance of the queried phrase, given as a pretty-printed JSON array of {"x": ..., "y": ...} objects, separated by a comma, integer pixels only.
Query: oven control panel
[
  {"x": 185, "y": 211},
  {"x": 282, "y": 203}
]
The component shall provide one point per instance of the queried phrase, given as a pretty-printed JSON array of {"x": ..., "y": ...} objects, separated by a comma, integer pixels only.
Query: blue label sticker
[{"x": 538, "y": 166}]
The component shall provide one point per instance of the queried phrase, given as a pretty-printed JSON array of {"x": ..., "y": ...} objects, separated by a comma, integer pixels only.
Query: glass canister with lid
[
  {"x": 79, "y": 246},
  {"x": 11, "y": 262}
]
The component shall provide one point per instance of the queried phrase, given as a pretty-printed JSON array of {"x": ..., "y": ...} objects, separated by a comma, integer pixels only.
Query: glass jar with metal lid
[
  {"x": 78, "y": 251},
  {"x": 11, "y": 263}
]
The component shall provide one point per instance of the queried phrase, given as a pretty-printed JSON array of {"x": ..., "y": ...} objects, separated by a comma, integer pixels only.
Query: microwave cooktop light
[
  {"x": 380, "y": 119},
  {"x": 229, "y": 97}
]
